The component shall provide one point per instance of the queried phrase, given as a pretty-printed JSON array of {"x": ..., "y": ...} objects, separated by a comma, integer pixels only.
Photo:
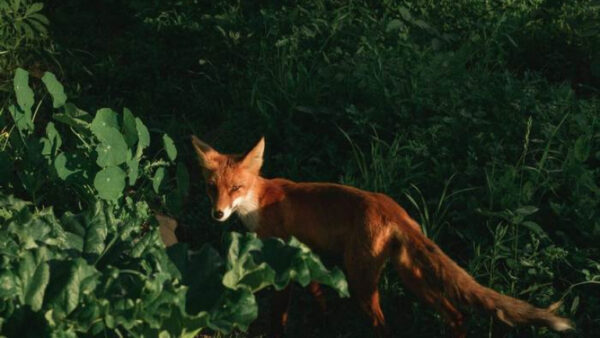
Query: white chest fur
[{"x": 247, "y": 209}]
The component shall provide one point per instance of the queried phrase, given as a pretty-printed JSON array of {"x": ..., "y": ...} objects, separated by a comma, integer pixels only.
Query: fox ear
[
  {"x": 204, "y": 152},
  {"x": 253, "y": 160}
]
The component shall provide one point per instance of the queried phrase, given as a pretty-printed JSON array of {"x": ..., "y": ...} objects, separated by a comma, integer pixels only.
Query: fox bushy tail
[{"x": 437, "y": 279}]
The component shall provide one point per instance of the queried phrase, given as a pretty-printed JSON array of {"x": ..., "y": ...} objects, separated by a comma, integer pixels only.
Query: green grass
[{"x": 468, "y": 113}]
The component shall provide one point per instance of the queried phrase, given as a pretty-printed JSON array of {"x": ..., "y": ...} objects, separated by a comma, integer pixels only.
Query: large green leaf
[
  {"x": 236, "y": 308},
  {"x": 110, "y": 182},
  {"x": 89, "y": 229},
  {"x": 56, "y": 90},
  {"x": 34, "y": 274},
  {"x": 226, "y": 290},
  {"x": 71, "y": 279},
  {"x": 112, "y": 150},
  {"x": 23, "y": 91},
  {"x": 295, "y": 261},
  {"x": 31, "y": 228},
  {"x": 105, "y": 117},
  {"x": 250, "y": 261},
  {"x": 242, "y": 270}
]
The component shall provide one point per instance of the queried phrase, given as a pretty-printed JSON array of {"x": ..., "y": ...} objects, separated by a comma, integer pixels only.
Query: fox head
[{"x": 229, "y": 178}]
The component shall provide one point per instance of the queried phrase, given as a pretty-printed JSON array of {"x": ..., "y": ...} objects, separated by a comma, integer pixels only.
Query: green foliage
[
  {"x": 471, "y": 114},
  {"x": 23, "y": 32},
  {"x": 100, "y": 268}
]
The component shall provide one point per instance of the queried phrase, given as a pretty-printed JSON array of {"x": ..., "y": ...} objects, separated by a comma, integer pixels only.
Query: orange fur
[{"x": 365, "y": 229}]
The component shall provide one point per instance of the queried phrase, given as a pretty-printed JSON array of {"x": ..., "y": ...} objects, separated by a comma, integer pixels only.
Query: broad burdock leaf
[
  {"x": 110, "y": 182},
  {"x": 56, "y": 90},
  {"x": 34, "y": 274},
  {"x": 23, "y": 91},
  {"x": 292, "y": 261},
  {"x": 129, "y": 128},
  {"x": 32, "y": 229},
  {"x": 105, "y": 117},
  {"x": 143, "y": 137},
  {"x": 169, "y": 147},
  {"x": 243, "y": 271},
  {"x": 88, "y": 230},
  {"x": 236, "y": 308},
  {"x": 159, "y": 175},
  {"x": 71, "y": 279},
  {"x": 112, "y": 150},
  {"x": 96, "y": 226}
]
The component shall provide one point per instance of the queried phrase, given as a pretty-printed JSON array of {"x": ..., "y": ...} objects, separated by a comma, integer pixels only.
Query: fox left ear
[
  {"x": 253, "y": 160},
  {"x": 205, "y": 153}
]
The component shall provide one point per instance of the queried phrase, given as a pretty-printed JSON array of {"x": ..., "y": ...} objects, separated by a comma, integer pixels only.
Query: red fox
[{"x": 365, "y": 229}]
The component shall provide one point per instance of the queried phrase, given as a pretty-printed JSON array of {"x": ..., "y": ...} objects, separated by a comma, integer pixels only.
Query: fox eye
[{"x": 235, "y": 188}]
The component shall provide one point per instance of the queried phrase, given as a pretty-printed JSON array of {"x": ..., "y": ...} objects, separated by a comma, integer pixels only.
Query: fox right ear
[{"x": 204, "y": 152}]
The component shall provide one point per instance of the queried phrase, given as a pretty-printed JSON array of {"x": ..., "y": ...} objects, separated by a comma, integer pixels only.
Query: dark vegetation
[{"x": 482, "y": 118}]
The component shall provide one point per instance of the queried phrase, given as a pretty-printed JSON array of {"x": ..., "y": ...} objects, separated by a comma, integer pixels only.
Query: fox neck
[{"x": 247, "y": 207}]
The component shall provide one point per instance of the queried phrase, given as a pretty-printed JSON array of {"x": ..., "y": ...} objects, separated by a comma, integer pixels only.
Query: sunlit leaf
[
  {"x": 34, "y": 274},
  {"x": 110, "y": 182},
  {"x": 157, "y": 179},
  {"x": 129, "y": 128},
  {"x": 23, "y": 92},
  {"x": 112, "y": 150},
  {"x": 143, "y": 137},
  {"x": 55, "y": 89},
  {"x": 169, "y": 147}
]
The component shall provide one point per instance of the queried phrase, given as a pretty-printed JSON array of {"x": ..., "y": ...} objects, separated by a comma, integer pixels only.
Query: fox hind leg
[{"x": 363, "y": 273}]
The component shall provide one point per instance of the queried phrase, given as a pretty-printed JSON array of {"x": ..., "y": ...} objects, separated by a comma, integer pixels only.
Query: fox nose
[{"x": 217, "y": 214}]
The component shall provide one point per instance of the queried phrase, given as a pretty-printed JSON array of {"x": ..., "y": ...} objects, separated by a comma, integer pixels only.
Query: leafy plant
[
  {"x": 92, "y": 262},
  {"x": 23, "y": 31}
]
